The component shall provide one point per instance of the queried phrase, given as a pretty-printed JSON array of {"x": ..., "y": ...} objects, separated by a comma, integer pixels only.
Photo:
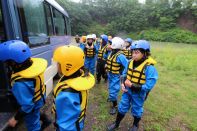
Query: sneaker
[
  {"x": 113, "y": 111},
  {"x": 112, "y": 127},
  {"x": 134, "y": 128}
]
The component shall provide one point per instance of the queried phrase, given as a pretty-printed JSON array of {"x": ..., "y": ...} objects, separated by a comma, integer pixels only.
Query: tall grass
[
  {"x": 174, "y": 99},
  {"x": 171, "y": 105}
]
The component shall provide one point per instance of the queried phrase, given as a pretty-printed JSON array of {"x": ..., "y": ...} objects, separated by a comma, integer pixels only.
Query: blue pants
[
  {"x": 114, "y": 86},
  {"x": 90, "y": 64},
  {"x": 32, "y": 119},
  {"x": 135, "y": 100}
]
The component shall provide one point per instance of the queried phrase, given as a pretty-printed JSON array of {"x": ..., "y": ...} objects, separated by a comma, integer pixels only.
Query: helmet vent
[
  {"x": 68, "y": 66},
  {"x": 23, "y": 50}
]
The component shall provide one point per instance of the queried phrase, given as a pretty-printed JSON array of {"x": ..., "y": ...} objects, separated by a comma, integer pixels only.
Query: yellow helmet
[
  {"x": 71, "y": 58},
  {"x": 83, "y": 38}
]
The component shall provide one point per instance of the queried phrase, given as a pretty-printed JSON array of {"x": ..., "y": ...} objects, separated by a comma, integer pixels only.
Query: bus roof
[{"x": 57, "y": 6}]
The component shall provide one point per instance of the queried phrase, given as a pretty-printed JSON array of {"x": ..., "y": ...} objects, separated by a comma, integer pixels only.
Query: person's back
[
  {"x": 71, "y": 92},
  {"x": 27, "y": 82}
]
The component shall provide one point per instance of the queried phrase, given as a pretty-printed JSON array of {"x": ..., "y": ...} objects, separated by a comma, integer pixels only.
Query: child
[
  {"x": 127, "y": 50},
  {"x": 90, "y": 51},
  {"x": 141, "y": 78},
  {"x": 116, "y": 63},
  {"x": 27, "y": 83},
  {"x": 77, "y": 39},
  {"x": 101, "y": 59},
  {"x": 71, "y": 92}
]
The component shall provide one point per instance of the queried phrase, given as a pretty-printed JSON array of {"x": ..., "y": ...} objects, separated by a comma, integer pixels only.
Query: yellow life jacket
[
  {"x": 90, "y": 52},
  {"x": 62, "y": 86},
  {"x": 137, "y": 75},
  {"x": 40, "y": 87},
  {"x": 127, "y": 53},
  {"x": 102, "y": 51},
  {"x": 112, "y": 65}
]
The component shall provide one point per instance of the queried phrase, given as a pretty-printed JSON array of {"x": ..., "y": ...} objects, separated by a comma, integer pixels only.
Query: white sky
[{"x": 141, "y": 1}]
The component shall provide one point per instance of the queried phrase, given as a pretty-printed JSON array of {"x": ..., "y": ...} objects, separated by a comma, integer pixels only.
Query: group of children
[{"x": 124, "y": 64}]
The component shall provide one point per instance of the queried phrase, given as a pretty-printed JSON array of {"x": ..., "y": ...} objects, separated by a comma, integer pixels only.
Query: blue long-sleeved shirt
[
  {"x": 24, "y": 93},
  {"x": 121, "y": 59},
  {"x": 151, "y": 78},
  {"x": 68, "y": 110}
]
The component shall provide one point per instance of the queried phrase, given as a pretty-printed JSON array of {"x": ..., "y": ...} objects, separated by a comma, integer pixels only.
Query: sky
[{"x": 141, "y": 1}]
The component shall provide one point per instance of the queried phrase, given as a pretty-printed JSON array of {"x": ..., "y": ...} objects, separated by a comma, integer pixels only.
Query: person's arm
[
  {"x": 96, "y": 49},
  {"x": 121, "y": 59},
  {"x": 151, "y": 78},
  {"x": 24, "y": 93},
  {"x": 82, "y": 46},
  {"x": 68, "y": 109}
]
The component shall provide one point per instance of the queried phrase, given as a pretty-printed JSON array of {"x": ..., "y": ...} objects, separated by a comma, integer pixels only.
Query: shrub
[{"x": 172, "y": 35}]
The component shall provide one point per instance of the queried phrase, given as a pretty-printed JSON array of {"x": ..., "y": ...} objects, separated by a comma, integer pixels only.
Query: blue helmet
[
  {"x": 142, "y": 44},
  {"x": 133, "y": 45},
  {"x": 129, "y": 40},
  {"x": 104, "y": 38},
  {"x": 15, "y": 50}
]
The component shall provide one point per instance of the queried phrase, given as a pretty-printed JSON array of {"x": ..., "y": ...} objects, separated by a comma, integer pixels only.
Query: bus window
[
  {"x": 2, "y": 30},
  {"x": 48, "y": 19},
  {"x": 59, "y": 23},
  {"x": 68, "y": 32},
  {"x": 33, "y": 22}
]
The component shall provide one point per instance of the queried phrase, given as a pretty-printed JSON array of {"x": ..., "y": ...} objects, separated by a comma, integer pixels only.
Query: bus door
[{"x": 7, "y": 101}]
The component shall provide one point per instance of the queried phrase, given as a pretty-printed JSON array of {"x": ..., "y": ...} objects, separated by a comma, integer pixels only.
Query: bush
[{"x": 173, "y": 35}]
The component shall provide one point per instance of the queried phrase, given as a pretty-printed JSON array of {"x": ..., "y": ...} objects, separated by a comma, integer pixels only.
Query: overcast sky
[{"x": 141, "y": 1}]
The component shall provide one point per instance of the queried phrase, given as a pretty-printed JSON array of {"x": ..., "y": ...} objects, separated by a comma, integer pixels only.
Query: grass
[{"x": 171, "y": 105}]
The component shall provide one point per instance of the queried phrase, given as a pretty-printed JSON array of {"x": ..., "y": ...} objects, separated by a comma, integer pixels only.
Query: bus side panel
[{"x": 46, "y": 52}]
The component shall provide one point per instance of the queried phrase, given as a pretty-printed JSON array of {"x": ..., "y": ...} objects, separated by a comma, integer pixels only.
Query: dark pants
[{"x": 100, "y": 70}]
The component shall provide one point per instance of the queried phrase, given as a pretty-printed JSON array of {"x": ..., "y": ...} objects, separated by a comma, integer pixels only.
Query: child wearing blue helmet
[
  {"x": 27, "y": 81},
  {"x": 127, "y": 48},
  {"x": 141, "y": 78},
  {"x": 101, "y": 59}
]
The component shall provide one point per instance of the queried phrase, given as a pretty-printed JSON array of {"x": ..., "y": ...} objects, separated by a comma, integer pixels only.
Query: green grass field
[{"x": 172, "y": 104}]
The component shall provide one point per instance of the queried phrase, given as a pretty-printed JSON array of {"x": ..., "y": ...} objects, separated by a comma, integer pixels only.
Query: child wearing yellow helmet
[{"x": 71, "y": 92}]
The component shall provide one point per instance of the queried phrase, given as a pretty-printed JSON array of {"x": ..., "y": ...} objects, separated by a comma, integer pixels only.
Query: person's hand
[
  {"x": 128, "y": 83},
  {"x": 109, "y": 47},
  {"x": 12, "y": 122},
  {"x": 87, "y": 46},
  {"x": 123, "y": 88}
]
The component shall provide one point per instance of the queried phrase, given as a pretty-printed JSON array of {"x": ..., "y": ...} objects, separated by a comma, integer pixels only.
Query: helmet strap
[
  {"x": 78, "y": 73},
  {"x": 114, "y": 51},
  {"x": 89, "y": 44}
]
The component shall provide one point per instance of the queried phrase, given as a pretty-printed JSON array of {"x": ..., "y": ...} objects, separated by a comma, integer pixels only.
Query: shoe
[
  {"x": 113, "y": 111},
  {"x": 45, "y": 124},
  {"x": 108, "y": 100},
  {"x": 134, "y": 128},
  {"x": 105, "y": 80},
  {"x": 112, "y": 127},
  {"x": 45, "y": 121},
  {"x": 98, "y": 81}
]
